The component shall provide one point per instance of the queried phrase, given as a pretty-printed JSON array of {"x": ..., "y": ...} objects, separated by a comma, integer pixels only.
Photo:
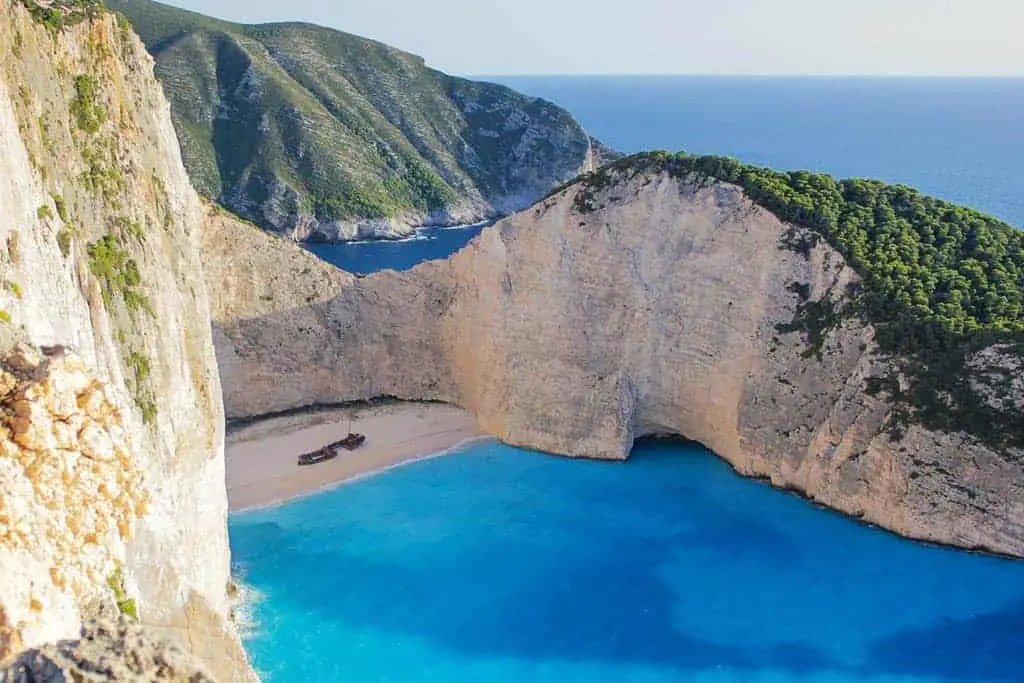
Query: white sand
[{"x": 261, "y": 467}]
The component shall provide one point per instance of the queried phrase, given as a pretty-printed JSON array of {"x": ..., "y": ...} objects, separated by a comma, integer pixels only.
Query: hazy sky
[{"x": 674, "y": 36}]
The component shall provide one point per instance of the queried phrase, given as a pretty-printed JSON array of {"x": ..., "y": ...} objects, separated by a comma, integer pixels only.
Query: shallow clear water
[{"x": 496, "y": 565}]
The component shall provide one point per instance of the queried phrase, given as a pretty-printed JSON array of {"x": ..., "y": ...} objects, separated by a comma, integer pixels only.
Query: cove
[
  {"x": 495, "y": 564},
  {"x": 370, "y": 256}
]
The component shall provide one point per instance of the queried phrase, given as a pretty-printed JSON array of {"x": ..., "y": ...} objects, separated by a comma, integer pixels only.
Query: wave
[{"x": 243, "y": 601}]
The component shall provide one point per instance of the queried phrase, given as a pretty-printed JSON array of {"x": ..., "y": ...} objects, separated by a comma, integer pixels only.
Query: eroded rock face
[
  {"x": 656, "y": 313},
  {"x": 404, "y": 224},
  {"x": 72, "y": 493},
  {"x": 255, "y": 272},
  {"x": 106, "y": 650},
  {"x": 99, "y": 229},
  {"x": 999, "y": 378}
]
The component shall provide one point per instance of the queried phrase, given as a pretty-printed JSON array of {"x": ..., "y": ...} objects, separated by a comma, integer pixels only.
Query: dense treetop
[
  {"x": 940, "y": 282},
  {"x": 921, "y": 257}
]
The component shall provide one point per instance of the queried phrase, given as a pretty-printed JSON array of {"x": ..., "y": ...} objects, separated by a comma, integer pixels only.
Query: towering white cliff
[
  {"x": 100, "y": 227},
  {"x": 577, "y": 332}
]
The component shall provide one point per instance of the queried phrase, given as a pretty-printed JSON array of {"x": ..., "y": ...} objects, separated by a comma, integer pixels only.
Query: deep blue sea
[
  {"x": 372, "y": 255},
  {"x": 961, "y": 139},
  {"x": 498, "y": 565}
]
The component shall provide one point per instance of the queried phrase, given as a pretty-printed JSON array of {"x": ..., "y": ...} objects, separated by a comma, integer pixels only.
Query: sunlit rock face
[
  {"x": 654, "y": 309},
  {"x": 99, "y": 229},
  {"x": 73, "y": 492}
]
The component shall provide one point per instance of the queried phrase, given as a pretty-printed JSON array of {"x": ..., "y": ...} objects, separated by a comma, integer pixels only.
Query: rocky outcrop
[
  {"x": 256, "y": 272},
  {"x": 321, "y": 135},
  {"x": 73, "y": 492},
  {"x": 99, "y": 228},
  {"x": 106, "y": 651},
  {"x": 401, "y": 224},
  {"x": 658, "y": 312}
]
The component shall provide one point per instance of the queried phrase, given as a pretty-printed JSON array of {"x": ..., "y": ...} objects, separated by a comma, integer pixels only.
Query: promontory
[{"x": 854, "y": 341}]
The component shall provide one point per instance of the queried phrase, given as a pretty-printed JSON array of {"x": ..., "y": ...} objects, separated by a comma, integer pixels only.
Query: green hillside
[{"x": 291, "y": 124}]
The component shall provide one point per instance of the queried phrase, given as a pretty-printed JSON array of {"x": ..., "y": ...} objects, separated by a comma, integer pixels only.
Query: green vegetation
[
  {"x": 333, "y": 126},
  {"x": 14, "y": 288},
  {"x": 939, "y": 282},
  {"x": 123, "y": 22},
  {"x": 64, "y": 237},
  {"x": 60, "y": 13},
  {"x": 162, "y": 201},
  {"x": 62, "y": 208},
  {"x": 118, "y": 273},
  {"x": 126, "y": 227},
  {"x": 44, "y": 136},
  {"x": 148, "y": 408},
  {"x": 103, "y": 172},
  {"x": 5, "y": 317},
  {"x": 125, "y": 604},
  {"x": 350, "y": 202},
  {"x": 418, "y": 188},
  {"x": 44, "y": 211},
  {"x": 139, "y": 366},
  {"x": 586, "y": 199},
  {"x": 89, "y": 114}
]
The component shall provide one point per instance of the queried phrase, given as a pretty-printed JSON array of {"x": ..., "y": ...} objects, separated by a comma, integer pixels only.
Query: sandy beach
[{"x": 260, "y": 457}]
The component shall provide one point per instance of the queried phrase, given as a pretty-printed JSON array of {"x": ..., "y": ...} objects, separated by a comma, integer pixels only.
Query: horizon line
[{"x": 552, "y": 74}]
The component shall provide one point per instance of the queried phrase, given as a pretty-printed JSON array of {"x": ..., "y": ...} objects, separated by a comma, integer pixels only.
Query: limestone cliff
[
  {"x": 73, "y": 493},
  {"x": 112, "y": 451},
  {"x": 252, "y": 272},
  {"x": 653, "y": 305}
]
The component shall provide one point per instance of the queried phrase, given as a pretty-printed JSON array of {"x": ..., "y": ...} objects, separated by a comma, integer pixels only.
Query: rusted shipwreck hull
[{"x": 330, "y": 451}]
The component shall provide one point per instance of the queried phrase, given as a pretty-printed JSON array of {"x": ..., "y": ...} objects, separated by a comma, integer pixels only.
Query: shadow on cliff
[{"x": 605, "y": 584}]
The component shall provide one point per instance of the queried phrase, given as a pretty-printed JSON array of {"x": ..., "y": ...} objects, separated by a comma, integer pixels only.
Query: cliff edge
[
  {"x": 651, "y": 300},
  {"x": 112, "y": 445}
]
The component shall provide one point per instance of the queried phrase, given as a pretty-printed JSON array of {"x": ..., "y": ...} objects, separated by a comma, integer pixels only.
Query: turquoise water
[{"x": 496, "y": 565}]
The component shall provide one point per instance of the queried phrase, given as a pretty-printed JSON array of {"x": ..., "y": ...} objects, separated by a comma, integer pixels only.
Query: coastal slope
[
  {"x": 111, "y": 450},
  {"x": 322, "y": 135},
  {"x": 644, "y": 301}
]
